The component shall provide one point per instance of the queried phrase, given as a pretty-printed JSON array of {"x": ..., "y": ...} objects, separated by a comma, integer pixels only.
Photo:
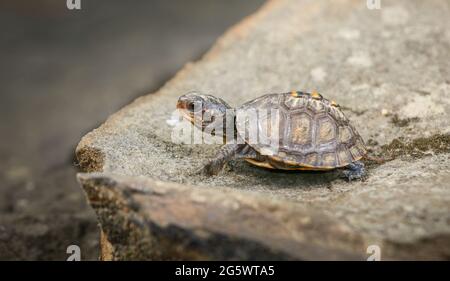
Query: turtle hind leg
[{"x": 354, "y": 171}]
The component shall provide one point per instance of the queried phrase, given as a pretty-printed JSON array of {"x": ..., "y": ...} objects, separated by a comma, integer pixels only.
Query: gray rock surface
[
  {"x": 62, "y": 73},
  {"x": 388, "y": 68}
]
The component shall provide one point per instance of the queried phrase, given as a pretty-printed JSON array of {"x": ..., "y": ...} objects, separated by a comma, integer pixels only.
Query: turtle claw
[
  {"x": 355, "y": 171},
  {"x": 350, "y": 176},
  {"x": 211, "y": 168}
]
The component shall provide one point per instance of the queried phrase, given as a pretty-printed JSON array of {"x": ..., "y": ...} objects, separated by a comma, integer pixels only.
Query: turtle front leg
[
  {"x": 225, "y": 154},
  {"x": 355, "y": 171}
]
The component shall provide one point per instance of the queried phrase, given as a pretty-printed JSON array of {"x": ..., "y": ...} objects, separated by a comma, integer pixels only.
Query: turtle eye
[
  {"x": 190, "y": 106},
  {"x": 195, "y": 106}
]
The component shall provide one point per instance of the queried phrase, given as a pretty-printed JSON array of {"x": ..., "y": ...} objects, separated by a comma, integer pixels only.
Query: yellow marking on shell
[
  {"x": 296, "y": 166},
  {"x": 333, "y": 103},
  {"x": 315, "y": 95},
  {"x": 276, "y": 158},
  {"x": 259, "y": 163},
  {"x": 285, "y": 161},
  {"x": 306, "y": 168},
  {"x": 358, "y": 158},
  {"x": 296, "y": 94},
  {"x": 293, "y": 168},
  {"x": 290, "y": 162},
  {"x": 315, "y": 168}
]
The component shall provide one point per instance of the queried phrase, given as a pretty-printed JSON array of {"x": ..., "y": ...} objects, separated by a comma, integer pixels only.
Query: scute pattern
[
  {"x": 312, "y": 132},
  {"x": 300, "y": 129},
  {"x": 326, "y": 132}
]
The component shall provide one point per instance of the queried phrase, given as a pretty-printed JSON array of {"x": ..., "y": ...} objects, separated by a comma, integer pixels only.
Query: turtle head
[{"x": 203, "y": 110}]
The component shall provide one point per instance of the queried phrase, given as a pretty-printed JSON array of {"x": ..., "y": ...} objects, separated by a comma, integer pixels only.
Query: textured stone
[{"x": 387, "y": 68}]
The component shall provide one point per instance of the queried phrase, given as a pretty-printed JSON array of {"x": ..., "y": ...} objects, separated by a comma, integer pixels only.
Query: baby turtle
[{"x": 312, "y": 132}]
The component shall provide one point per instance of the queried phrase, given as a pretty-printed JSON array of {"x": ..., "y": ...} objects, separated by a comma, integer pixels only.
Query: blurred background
[{"x": 62, "y": 73}]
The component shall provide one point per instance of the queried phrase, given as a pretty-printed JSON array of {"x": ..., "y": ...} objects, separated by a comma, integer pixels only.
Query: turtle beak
[
  {"x": 181, "y": 104},
  {"x": 183, "y": 108}
]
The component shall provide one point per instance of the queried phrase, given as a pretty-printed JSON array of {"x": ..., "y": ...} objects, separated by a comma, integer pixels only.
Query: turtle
[{"x": 313, "y": 132}]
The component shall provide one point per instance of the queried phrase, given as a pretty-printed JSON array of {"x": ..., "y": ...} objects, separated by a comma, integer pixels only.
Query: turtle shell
[{"x": 299, "y": 129}]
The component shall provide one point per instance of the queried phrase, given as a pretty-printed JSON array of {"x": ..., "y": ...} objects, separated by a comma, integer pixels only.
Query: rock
[
  {"x": 151, "y": 205},
  {"x": 147, "y": 219}
]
